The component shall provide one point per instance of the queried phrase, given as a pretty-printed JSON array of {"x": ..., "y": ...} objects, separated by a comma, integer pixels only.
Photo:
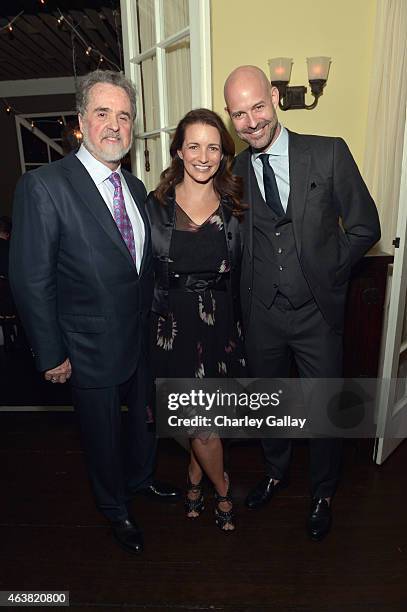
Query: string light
[
  {"x": 10, "y": 109},
  {"x": 60, "y": 19},
  {"x": 89, "y": 50},
  {"x": 9, "y": 25}
]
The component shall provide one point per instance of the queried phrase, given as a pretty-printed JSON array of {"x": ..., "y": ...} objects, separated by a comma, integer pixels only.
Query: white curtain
[
  {"x": 387, "y": 114},
  {"x": 177, "y": 70},
  {"x": 147, "y": 23},
  {"x": 176, "y": 16},
  {"x": 178, "y": 61},
  {"x": 179, "y": 94}
]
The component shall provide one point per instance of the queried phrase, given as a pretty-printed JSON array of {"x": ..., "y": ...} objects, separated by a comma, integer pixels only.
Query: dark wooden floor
[{"x": 52, "y": 538}]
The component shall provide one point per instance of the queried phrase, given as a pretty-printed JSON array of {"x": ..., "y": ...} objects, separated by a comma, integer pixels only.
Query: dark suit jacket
[
  {"x": 75, "y": 284},
  {"x": 325, "y": 187}
]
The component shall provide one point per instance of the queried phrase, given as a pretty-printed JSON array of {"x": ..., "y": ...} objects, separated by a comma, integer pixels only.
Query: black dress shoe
[
  {"x": 319, "y": 520},
  {"x": 263, "y": 492},
  {"x": 161, "y": 491},
  {"x": 128, "y": 535}
]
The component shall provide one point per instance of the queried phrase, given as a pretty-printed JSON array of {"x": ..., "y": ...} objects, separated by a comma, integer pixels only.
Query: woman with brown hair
[{"x": 195, "y": 215}]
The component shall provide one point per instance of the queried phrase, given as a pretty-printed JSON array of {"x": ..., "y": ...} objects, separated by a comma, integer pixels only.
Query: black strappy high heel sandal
[
  {"x": 194, "y": 505},
  {"x": 224, "y": 517}
]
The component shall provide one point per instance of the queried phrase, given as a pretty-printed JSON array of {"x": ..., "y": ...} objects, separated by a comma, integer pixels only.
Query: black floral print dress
[{"x": 199, "y": 337}]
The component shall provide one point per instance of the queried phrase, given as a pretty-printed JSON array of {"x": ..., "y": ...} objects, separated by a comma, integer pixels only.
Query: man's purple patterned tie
[{"x": 120, "y": 214}]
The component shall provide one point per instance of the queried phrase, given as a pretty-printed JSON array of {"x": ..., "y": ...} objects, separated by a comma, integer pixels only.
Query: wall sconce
[{"x": 294, "y": 97}]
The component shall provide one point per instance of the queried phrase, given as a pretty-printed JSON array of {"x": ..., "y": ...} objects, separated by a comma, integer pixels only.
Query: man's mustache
[
  {"x": 111, "y": 135},
  {"x": 259, "y": 126}
]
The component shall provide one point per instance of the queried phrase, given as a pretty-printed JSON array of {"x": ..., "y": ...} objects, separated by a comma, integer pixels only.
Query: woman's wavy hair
[{"x": 225, "y": 184}]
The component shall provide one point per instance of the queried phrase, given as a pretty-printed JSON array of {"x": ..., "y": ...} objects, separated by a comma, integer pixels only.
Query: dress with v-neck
[{"x": 199, "y": 336}]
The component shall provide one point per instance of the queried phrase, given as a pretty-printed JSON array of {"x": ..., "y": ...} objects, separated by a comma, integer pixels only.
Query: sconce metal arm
[{"x": 292, "y": 98}]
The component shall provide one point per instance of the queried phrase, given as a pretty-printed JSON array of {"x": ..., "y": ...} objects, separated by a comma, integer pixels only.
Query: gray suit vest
[{"x": 277, "y": 268}]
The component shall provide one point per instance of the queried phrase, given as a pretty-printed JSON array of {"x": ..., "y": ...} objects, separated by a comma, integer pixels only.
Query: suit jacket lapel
[
  {"x": 252, "y": 195},
  {"x": 86, "y": 189},
  {"x": 300, "y": 162}
]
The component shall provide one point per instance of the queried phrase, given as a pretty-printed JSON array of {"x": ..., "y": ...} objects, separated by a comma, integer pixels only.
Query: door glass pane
[
  {"x": 149, "y": 114},
  {"x": 52, "y": 125},
  {"x": 176, "y": 16},
  {"x": 54, "y": 154},
  {"x": 147, "y": 23},
  {"x": 401, "y": 389},
  {"x": 153, "y": 147},
  {"x": 404, "y": 334},
  {"x": 35, "y": 150},
  {"x": 178, "y": 81},
  {"x": 48, "y": 125}
]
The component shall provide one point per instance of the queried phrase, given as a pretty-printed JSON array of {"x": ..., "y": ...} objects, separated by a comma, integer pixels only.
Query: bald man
[{"x": 310, "y": 219}]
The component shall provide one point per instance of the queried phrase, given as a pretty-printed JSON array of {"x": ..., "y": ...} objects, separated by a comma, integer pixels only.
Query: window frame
[
  {"x": 198, "y": 32},
  {"x": 23, "y": 122}
]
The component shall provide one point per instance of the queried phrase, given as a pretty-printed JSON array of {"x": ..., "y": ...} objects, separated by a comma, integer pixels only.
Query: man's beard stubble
[{"x": 271, "y": 136}]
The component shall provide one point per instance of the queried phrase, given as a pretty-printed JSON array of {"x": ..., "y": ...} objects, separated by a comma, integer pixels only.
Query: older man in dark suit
[
  {"x": 81, "y": 273},
  {"x": 310, "y": 219}
]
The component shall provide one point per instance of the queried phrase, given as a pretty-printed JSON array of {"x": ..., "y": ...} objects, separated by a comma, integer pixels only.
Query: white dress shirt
[
  {"x": 100, "y": 176},
  {"x": 279, "y": 161}
]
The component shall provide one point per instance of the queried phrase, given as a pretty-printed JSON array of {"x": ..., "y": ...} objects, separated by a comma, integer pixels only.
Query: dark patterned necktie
[
  {"x": 271, "y": 193},
  {"x": 120, "y": 214}
]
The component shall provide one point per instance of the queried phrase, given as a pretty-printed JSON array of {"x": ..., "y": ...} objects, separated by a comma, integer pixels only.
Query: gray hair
[{"x": 103, "y": 76}]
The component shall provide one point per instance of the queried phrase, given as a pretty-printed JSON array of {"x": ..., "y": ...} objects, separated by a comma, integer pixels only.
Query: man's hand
[{"x": 60, "y": 374}]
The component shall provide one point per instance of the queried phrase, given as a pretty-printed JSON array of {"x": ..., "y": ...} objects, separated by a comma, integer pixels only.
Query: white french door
[
  {"x": 392, "y": 400},
  {"x": 166, "y": 46}
]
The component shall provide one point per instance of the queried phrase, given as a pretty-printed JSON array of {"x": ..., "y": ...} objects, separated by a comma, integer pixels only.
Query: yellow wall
[{"x": 251, "y": 32}]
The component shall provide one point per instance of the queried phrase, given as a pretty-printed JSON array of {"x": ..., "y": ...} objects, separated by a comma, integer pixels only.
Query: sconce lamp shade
[
  {"x": 318, "y": 68},
  {"x": 280, "y": 69},
  {"x": 294, "y": 97}
]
